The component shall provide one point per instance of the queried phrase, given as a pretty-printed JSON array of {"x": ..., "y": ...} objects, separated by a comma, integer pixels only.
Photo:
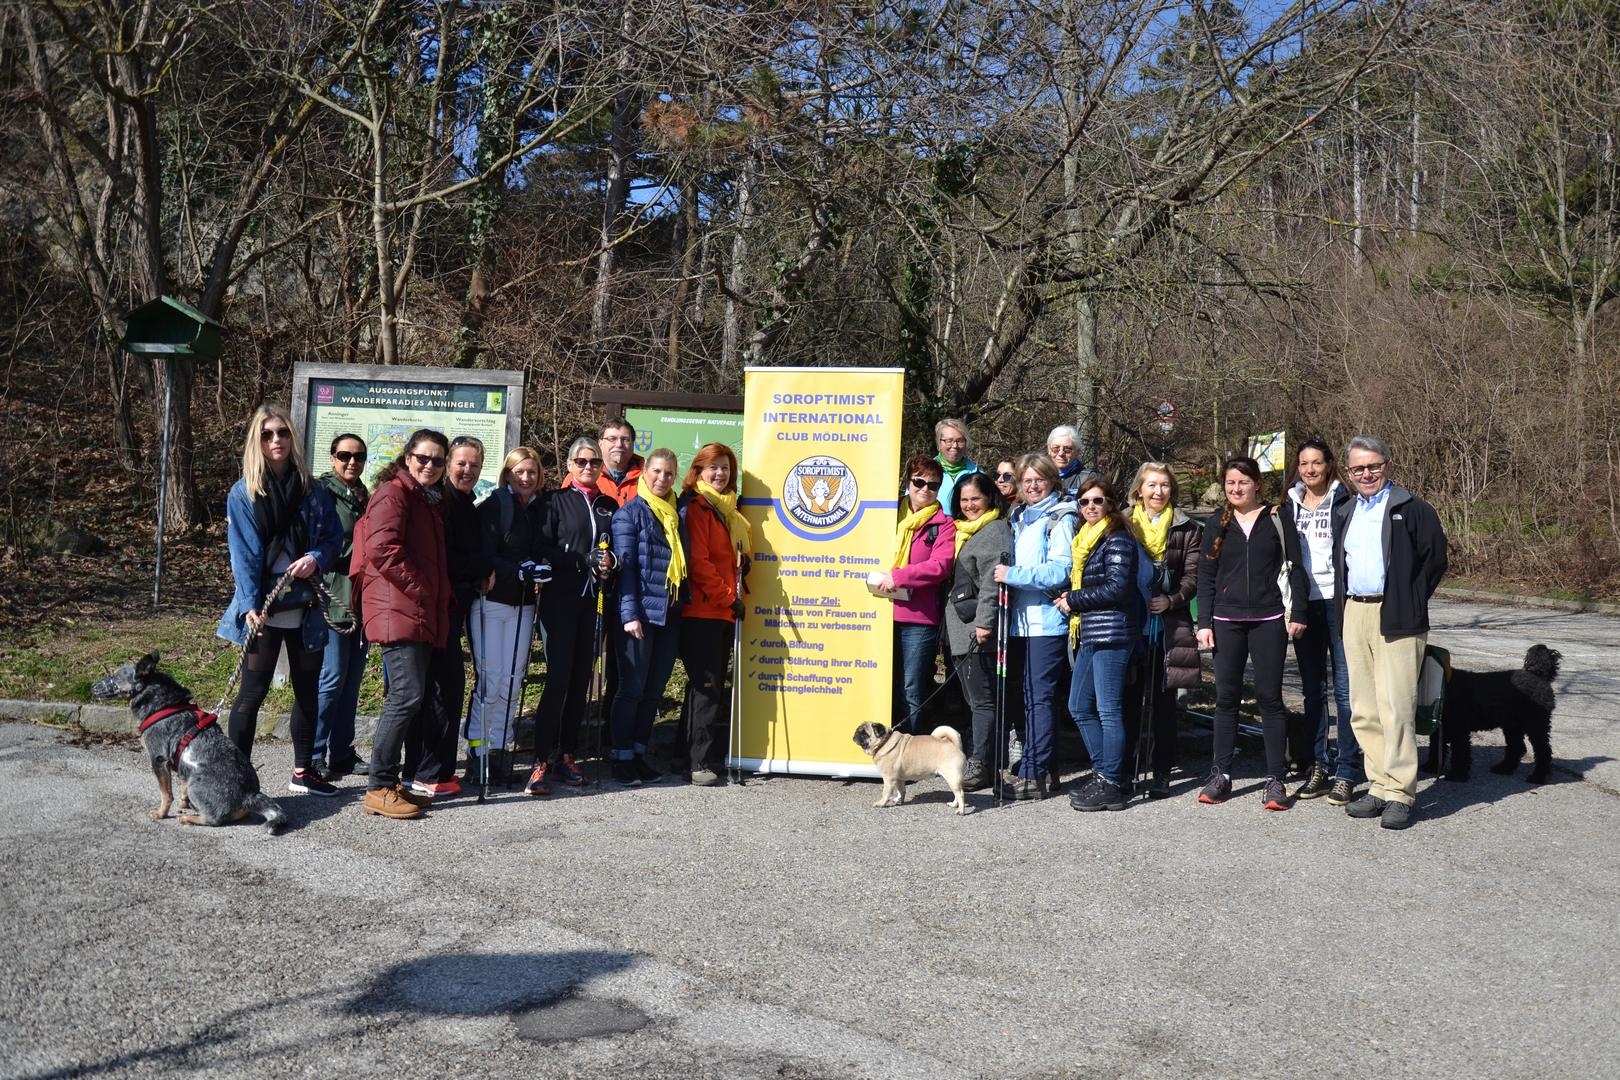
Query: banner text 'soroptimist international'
[{"x": 821, "y": 453}]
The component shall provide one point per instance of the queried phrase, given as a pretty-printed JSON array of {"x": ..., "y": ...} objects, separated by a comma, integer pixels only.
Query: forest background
[{"x": 1326, "y": 217}]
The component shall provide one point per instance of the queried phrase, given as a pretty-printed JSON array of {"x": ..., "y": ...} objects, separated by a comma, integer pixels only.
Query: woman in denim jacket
[{"x": 278, "y": 522}]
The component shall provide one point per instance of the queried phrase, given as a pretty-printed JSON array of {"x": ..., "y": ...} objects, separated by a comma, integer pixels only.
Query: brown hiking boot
[{"x": 387, "y": 802}]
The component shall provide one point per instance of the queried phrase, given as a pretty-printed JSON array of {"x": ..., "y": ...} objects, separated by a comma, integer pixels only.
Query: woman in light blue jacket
[{"x": 1037, "y": 634}]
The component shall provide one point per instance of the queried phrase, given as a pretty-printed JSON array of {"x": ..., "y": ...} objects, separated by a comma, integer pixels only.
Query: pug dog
[{"x": 901, "y": 758}]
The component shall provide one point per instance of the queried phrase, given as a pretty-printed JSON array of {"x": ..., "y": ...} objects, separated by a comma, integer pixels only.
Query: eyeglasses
[
  {"x": 1098, "y": 501},
  {"x": 1060, "y": 451},
  {"x": 271, "y": 433},
  {"x": 1005, "y": 477},
  {"x": 616, "y": 438},
  {"x": 587, "y": 463},
  {"x": 347, "y": 456},
  {"x": 919, "y": 483},
  {"x": 1367, "y": 470},
  {"x": 428, "y": 461},
  {"x": 1036, "y": 481},
  {"x": 953, "y": 442}
]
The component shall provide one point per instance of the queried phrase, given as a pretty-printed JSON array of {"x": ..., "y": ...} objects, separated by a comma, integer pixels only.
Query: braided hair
[{"x": 1248, "y": 467}]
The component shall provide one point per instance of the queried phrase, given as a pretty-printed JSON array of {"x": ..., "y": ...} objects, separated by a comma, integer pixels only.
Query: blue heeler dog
[{"x": 182, "y": 740}]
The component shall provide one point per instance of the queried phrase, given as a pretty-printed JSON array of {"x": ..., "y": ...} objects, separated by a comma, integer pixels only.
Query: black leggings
[
  {"x": 305, "y": 674},
  {"x": 1235, "y": 643},
  {"x": 571, "y": 650}
]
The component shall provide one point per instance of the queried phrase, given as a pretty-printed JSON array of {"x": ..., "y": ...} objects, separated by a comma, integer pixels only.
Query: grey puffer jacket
[{"x": 975, "y": 577}]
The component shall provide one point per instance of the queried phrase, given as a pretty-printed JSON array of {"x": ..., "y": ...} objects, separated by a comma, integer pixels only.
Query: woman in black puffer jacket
[
  {"x": 1106, "y": 612},
  {"x": 1171, "y": 539},
  {"x": 1242, "y": 617}
]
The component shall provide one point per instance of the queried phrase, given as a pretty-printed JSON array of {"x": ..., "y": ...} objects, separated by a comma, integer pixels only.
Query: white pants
[{"x": 494, "y": 631}]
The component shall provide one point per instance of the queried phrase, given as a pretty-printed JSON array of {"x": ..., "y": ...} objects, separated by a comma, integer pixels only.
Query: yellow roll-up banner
[{"x": 821, "y": 448}]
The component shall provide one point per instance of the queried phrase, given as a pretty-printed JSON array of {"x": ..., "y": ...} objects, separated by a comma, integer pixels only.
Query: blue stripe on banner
[{"x": 891, "y": 505}]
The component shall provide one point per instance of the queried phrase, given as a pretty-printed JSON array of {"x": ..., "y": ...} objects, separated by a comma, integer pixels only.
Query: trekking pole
[
  {"x": 511, "y": 685},
  {"x": 734, "y": 721},
  {"x": 533, "y": 586},
  {"x": 1001, "y": 678},
  {"x": 481, "y": 689},
  {"x": 598, "y": 684},
  {"x": 1145, "y": 734}
]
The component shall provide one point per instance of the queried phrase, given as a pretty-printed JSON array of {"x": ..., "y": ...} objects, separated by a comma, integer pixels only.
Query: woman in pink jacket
[{"x": 925, "y": 548}]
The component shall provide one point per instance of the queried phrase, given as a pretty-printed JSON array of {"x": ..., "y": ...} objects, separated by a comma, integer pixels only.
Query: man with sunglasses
[
  {"x": 1389, "y": 554},
  {"x": 621, "y": 465}
]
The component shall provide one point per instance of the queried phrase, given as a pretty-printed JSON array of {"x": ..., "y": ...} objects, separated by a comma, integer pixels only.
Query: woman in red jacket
[
  {"x": 403, "y": 587},
  {"x": 721, "y": 546}
]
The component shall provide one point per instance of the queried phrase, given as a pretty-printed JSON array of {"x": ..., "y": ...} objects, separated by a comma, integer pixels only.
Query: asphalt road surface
[{"x": 784, "y": 928}]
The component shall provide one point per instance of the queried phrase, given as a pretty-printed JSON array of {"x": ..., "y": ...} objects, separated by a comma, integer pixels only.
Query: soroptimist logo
[{"x": 820, "y": 492}]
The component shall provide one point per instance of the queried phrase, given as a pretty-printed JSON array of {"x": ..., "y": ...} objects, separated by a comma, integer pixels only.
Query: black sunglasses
[
  {"x": 588, "y": 462},
  {"x": 275, "y": 433},
  {"x": 919, "y": 483},
  {"x": 427, "y": 461},
  {"x": 347, "y": 456},
  {"x": 1005, "y": 477}
]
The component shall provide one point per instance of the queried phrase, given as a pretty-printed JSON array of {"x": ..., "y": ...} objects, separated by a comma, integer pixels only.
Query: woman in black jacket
[
  {"x": 1106, "y": 611},
  {"x": 576, "y": 538},
  {"x": 501, "y": 624},
  {"x": 1242, "y": 616}
]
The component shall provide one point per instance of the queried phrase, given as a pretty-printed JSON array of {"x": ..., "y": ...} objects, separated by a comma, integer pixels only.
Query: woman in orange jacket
[{"x": 720, "y": 549}]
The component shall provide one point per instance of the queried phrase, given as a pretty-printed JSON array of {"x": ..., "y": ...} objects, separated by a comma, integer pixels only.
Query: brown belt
[{"x": 1375, "y": 599}]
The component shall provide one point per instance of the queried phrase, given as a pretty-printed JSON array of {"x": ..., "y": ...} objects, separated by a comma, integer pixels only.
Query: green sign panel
[{"x": 684, "y": 432}]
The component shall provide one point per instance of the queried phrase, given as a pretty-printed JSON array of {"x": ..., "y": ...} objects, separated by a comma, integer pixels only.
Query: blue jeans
[
  {"x": 1096, "y": 701},
  {"x": 644, "y": 670},
  {"x": 343, "y": 667},
  {"x": 1035, "y": 667},
  {"x": 1322, "y": 645},
  {"x": 914, "y": 648}
]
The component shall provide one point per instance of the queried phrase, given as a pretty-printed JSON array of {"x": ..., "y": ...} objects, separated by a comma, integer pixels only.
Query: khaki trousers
[{"x": 1383, "y": 701}]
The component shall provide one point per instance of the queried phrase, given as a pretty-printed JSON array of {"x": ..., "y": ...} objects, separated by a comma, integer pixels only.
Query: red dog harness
[{"x": 203, "y": 719}]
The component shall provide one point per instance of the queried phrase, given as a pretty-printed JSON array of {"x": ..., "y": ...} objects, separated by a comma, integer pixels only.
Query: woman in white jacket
[
  {"x": 1320, "y": 650},
  {"x": 1037, "y": 633}
]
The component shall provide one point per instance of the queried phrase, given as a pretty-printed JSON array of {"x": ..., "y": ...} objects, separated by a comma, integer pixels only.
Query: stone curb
[
  {"x": 116, "y": 718},
  {"x": 1477, "y": 596}
]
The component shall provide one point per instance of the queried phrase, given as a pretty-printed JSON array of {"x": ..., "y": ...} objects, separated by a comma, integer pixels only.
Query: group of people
[
  {"x": 623, "y": 550},
  {"x": 1043, "y": 588},
  {"x": 1104, "y": 605}
]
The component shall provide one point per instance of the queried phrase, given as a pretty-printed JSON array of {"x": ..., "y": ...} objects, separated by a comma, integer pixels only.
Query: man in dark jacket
[{"x": 1389, "y": 554}]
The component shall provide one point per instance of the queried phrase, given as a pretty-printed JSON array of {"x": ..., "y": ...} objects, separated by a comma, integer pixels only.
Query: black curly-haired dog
[
  {"x": 1519, "y": 702},
  {"x": 183, "y": 741}
]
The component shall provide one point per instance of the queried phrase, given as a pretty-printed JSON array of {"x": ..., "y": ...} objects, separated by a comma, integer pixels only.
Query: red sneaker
[
  {"x": 537, "y": 781},
  {"x": 447, "y": 788}
]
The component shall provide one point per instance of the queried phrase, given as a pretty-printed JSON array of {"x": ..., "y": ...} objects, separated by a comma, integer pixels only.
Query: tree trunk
[
  {"x": 688, "y": 248},
  {"x": 615, "y": 190},
  {"x": 732, "y": 333}
]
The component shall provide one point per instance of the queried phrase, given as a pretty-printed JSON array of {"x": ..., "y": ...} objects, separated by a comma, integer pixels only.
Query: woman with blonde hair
[
  {"x": 501, "y": 622},
  {"x": 1171, "y": 539},
  {"x": 279, "y": 523}
]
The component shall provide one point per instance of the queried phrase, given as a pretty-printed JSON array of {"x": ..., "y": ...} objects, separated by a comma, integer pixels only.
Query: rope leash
[{"x": 323, "y": 601}]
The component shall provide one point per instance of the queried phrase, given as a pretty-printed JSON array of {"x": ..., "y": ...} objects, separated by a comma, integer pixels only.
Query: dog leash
[{"x": 324, "y": 599}]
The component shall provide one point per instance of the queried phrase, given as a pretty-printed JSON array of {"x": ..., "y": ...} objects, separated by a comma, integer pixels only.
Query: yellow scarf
[
  {"x": 908, "y": 527},
  {"x": 664, "y": 510},
  {"x": 966, "y": 529},
  {"x": 1087, "y": 537},
  {"x": 1152, "y": 534},
  {"x": 742, "y": 533}
]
